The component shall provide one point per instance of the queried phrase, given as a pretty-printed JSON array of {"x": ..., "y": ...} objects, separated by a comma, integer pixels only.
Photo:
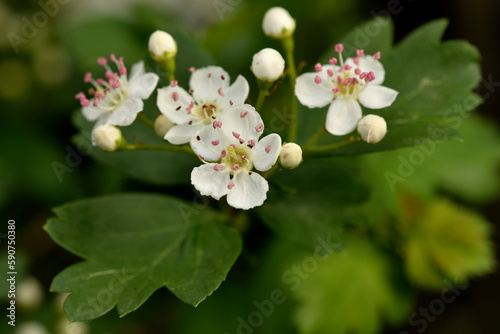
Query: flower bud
[
  {"x": 107, "y": 137},
  {"x": 162, "y": 45},
  {"x": 268, "y": 65},
  {"x": 162, "y": 125},
  {"x": 290, "y": 155},
  {"x": 29, "y": 293},
  {"x": 278, "y": 23},
  {"x": 372, "y": 128}
]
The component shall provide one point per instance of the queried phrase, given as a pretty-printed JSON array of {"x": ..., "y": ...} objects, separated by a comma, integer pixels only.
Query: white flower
[
  {"x": 162, "y": 45},
  {"x": 359, "y": 79},
  {"x": 268, "y": 65},
  {"x": 290, "y": 155},
  {"x": 211, "y": 94},
  {"x": 372, "y": 128},
  {"x": 106, "y": 137},
  {"x": 162, "y": 125},
  {"x": 117, "y": 100},
  {"x": 232, "y": 144},
  {"x": 278, "y": 23}
]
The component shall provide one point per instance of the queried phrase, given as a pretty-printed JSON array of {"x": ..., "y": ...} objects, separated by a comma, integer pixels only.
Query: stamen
[
  {"x": 356, "y": 61},
  {"x": 236, "y": 135},
  {"x": 221, "y": 93},
  {"x": 268, "y": 148},
  {"x": 259, "y": 128},
  {"x": 339, "y": 48},
  {"x": 112, "y": 57},
  {"x": 223, "y": 77},
  {"x": 178, "y": 108},
  {"x": 218, "y": 167},
  {"x": 330, "y": 73},
  {"x": 336, "y": 90},
  {"x": 175, "y": 96},
  {"x": 192, "y": 69},
  {"x": 333, "y": 61},
  {"x": 243, "y": 113},
  {"x": 241, "y": 140},
  {"x": 318, "y": 67},
  {"x": 102, "y": 61},
  {"x": 173, "y": 83},
  {"x": 198, "y": 138},
  {"x": 357, "y": 71},
  {"x": 230, "y": 185},
  {"x": 223, "y": 154},
  {"x": 376, "y": 56},
  {"x": 360, "y": 53},
  {"x": 235, "y": 167},
  {"x": 251, "y": 142},
  {"x": 88, "y": 77},
  {"x": 215, "y": 142},
  {"x": 123, "y": 70},
  {"x": 317, "y": 79},
  {"x": 191, "y": 105}
]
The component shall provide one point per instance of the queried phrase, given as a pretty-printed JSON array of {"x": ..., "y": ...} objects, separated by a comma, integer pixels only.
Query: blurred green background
[{"x": 37, "y": 88}]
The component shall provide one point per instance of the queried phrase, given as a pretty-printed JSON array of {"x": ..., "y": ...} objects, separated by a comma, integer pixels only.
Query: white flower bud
[
  {"x": 268, "y": 65},
  {"x": 372, "y": 128},
  {"x": 278, "y": 23},
  {"x": 162, "y": 45},
  {"x": 162, "y": 125},
  {"x": 29, "y": 293},
  {"x": 107, "y": 137},
  {"x": 290, "y": 155}
]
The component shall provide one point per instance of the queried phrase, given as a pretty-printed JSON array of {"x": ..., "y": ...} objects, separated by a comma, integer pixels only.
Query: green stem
[
  {"x": 314, "y": 139},
  {"x": 260, "y": 100},
  {"x": 269, "y": 173},
  {"x": 289, "y": 46},
  {"x": 144, "y": 119},
  {"x": 168, "y": 148},
  {"x": 331, "y": 147}
]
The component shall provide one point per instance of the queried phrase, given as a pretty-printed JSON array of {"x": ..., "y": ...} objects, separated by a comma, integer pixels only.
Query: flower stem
[
  {"x": 168, "y": 148},
  {"x": 289, "y": 46},
  {"x": 267, "y": 174},
  {"x": 331, "y": 147},
  {"x": 314, "y": 138},
  {"x": 144, "y": 119},
  {"x": 260, "y": 100}
]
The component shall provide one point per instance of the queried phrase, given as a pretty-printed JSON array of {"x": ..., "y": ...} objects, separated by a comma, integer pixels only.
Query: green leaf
[
  {"x": 353, "y": 292},
  {"x": 434, "y": 80},
  {"x": 157, "y": 167},
  {"x": 447, "y": 242},
  {"x": 310, "y": 209},
  {"x": 134, "y": 244}
]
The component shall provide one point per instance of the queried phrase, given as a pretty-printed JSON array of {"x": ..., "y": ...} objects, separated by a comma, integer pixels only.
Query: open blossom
[
  {"x": 117, "y": 99},
  {"x": 232, "y": 145},
  {"x": 356, "y": 81},
  {"x": 209, "y": 95}
]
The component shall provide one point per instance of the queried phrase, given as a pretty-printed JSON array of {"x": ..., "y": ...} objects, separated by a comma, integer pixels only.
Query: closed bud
[
  {"x": 107, "y": 137},
  {"x": 290, "y": 155},
  {"x": 278, "y": 23},
  {"x": 372, "y": 128},
  {"x": 162, "y": 46},
  {"x": 268, "y": 65},
  {"x": 162, "y": 125}
]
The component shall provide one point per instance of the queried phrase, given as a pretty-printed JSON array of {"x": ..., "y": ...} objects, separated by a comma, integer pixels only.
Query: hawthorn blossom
[
  {"x": 232, "y": 146},
  {"x": 209, "y": 95},
  {"x": 357, "y": 81},
  {"x": 118, "y": 99}
]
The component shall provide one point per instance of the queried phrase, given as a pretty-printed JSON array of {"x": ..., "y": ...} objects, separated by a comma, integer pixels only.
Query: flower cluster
[{"x": 212, "y": 120}]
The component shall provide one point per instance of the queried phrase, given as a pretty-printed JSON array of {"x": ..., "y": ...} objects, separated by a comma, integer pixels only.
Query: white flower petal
[
  {"x": 182, "y": 134},
  {"x": 168, "y": 104},
  {"x": 343, "y": 116},
  {"x": 238, "y": 91},
  {"x": 310, "y": 93},
  {"x": 263, "y": 160},
  {"x": 249, "y": 127},
  {"x": 137, "y": 69},
  {"x": 92, "y": 113},
  {"x": 377, "y": 97},
  {"x": 204, "y": 146},
  {"x": 248, "y": 192},
  {"x": 368, "y": 64},
  {"x": 142, "y": 86},
  {"x": 210, "y": 182},
  {"x": 206, "y": 81},
  {"x": 126, "y": 113}
]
